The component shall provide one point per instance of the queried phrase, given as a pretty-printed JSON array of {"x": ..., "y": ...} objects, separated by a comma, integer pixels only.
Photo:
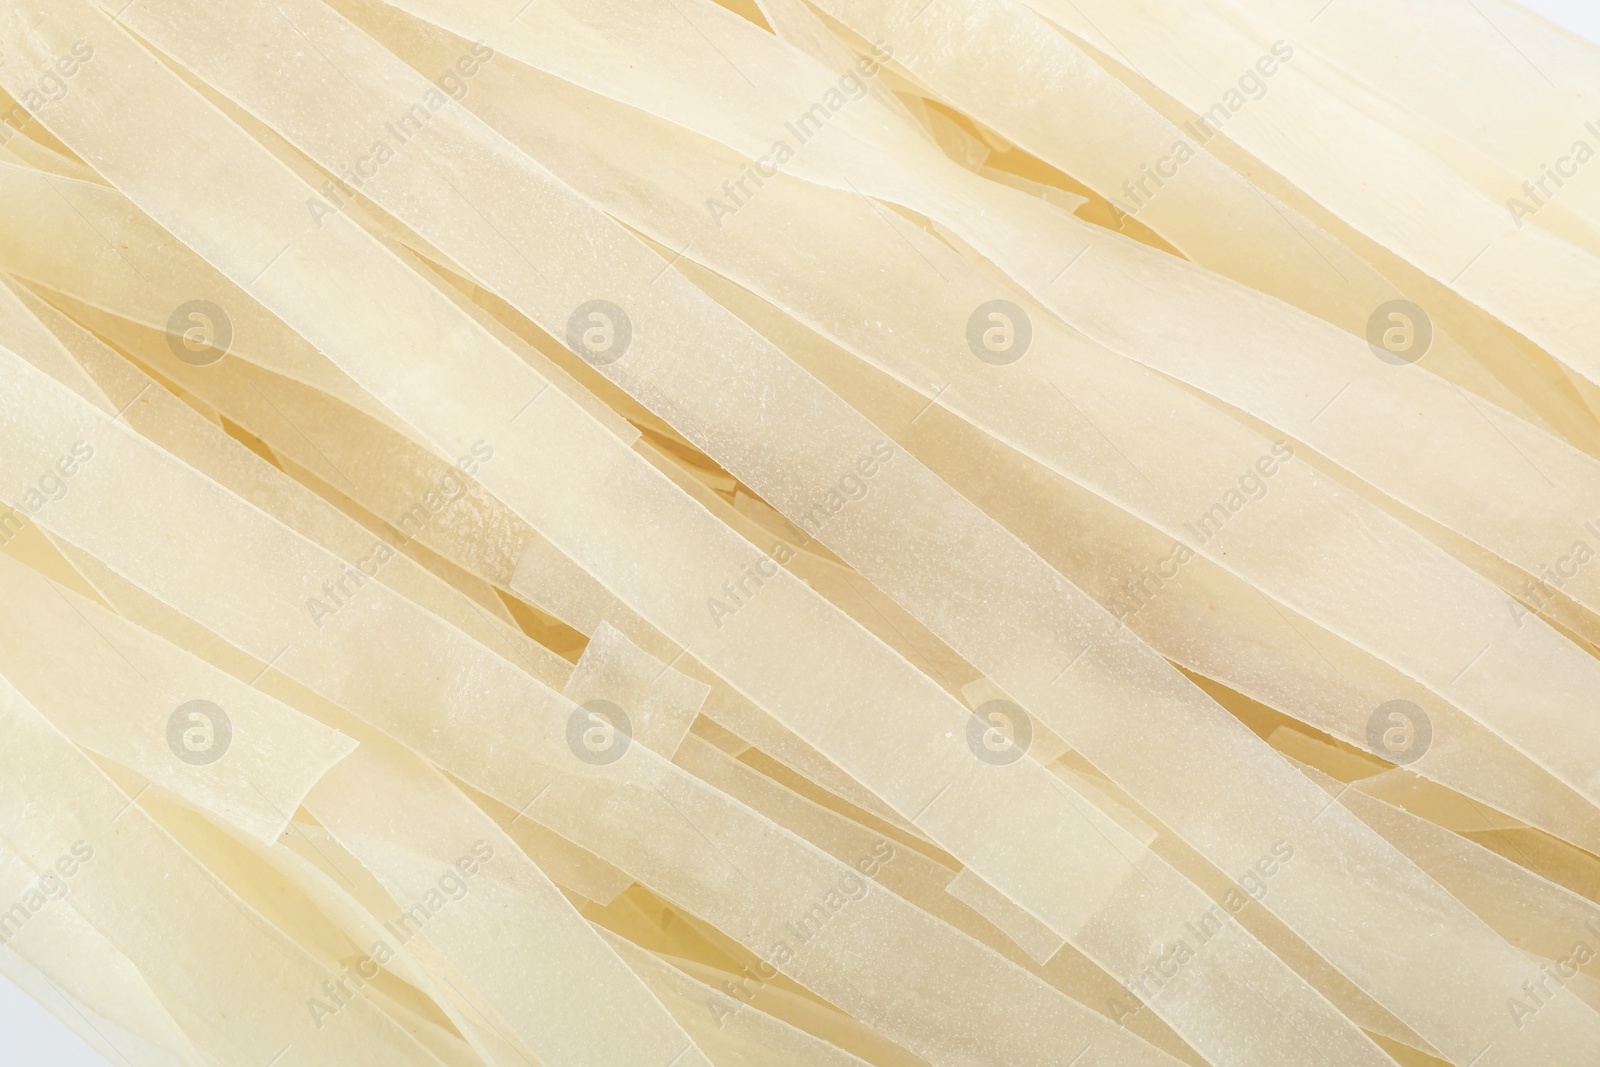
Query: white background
[
  {"x": 31, "y": 1036},
  {"x": 1582, "y": 17}
]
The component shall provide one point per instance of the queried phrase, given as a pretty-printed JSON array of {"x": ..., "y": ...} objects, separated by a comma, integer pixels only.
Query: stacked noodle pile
[{"x": 622, "y": 532}]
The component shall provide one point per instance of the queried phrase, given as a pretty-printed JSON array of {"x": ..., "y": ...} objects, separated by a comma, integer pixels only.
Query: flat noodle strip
[
  {"x": 814, "y": 636},
  {"x": 131, "y": 697},
  {"x": 660, "y": 704},
  {"x": 1018, "y": 566},
  {"x": 1478, "y": 655},
  {"x": 745, "y": 1038},
  {"x": 1536, "y": 915},
  {"x": 1186, "y": 607},
  {"x": 266, "y": 406},
  {"x": 57, "y": 230},
  {"x": 924, "y": 792},
  {"x": 74, "y": 971},
  {"x": 122, "y": 741},
  {"x": 681, "y": 398},
  {"x": 1288, "y": 1011},
  {"x": 469, "y": 891},
  {"x": 1474, "y": 455},
  {"x": 486, "y": 537},
  {"x": 913, "y": 876},
  {"x": 353, "y": 901},
  {"x": 1537, "y": 283},
  {"x": 1054, "y": 100},
  {"x": 178, "y": 429},
  {"x": 97, "y": 1033},
  {"x": 541, "y": 573},
  {"x": 183, "y": 930},
  {"x": 475, "y": 715},
  {"x": 1117, "y": 143},
  {"x": 1525, "y": 113},
  {"x": 327, "y": 432}
]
